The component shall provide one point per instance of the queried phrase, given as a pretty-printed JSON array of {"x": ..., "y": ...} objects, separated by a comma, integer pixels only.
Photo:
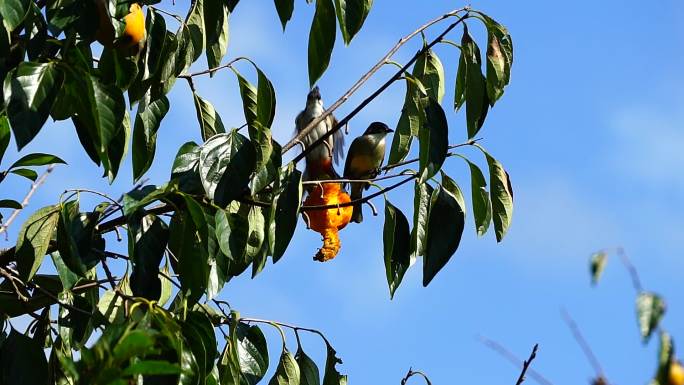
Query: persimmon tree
[{"x": 231, "y": 202}]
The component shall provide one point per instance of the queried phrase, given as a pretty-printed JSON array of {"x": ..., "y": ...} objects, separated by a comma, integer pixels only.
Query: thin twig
[
  {"x": 212, "y": 70},
  {"x": 303, "y": 133},
  {"x": 526, "y": 364},
  {"x": 577, "y": 334},
  {"x": 636, "y": 282},
  {"x": 412, "y": 373},
  {"x": 512, "y": 358},
  {"x": 27, "y": 198},
  {"x": 414, "y": 160},
  {"x": 293, "y": 327}
]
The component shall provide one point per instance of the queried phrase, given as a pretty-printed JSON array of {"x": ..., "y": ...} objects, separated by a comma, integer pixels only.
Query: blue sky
[{"x": 590, "y": 131}]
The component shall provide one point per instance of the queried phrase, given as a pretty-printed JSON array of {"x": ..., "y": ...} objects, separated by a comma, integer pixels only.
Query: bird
[
  {"x": 319, "y": 162},
  {"x": 364, "y": 159}
]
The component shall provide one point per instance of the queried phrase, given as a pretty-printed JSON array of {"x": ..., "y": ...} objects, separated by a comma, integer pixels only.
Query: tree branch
[
  {"x": 298, "y": 138},
  {"x": 633, "y": 273},
  {"x": 27, "y": 198},
  {"x": 512, "y": 358},
  {"x": 577, "y": 334},
  {"x": 526, "y": 364},
  {"x": 412, "y": 373}
]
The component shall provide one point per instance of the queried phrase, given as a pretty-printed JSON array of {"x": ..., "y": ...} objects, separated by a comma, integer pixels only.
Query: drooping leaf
[
  {"x": 421, "y": 211},
  {"x": 10, "y": 204},
  {"x": 396, "y": 242},
  {"x": 477, "y": 100},
  {"x": 321, "y": 39},
  {"x": 148, "y": 237},
  {"x": 445, "y": 228},
  {"x": 4, "y": 135},
  {"x": 650, "y": 310},
  {"x": 332, "y": 376},
  {"x": 13, "y": 12},
  {"x": 36, "y": 159},
  {"x": 666, "y": 359},
  {"x": 195, "y": 24},
  {"x": 226, "y": 164},
  {"x": 147, "y": 122},
  {"x": 240, "y": 233},
  {"x": 434, "y": 140},
  {"x": 307, "y": 368},
  {"x": 351, "y": 14},
  {"x": 501, "y": 196},
  {"x": 499, "y": 57},
  {"x": 155, "y": 27},
  {"x": 199, "y": 332},
  {"x": 287, "y": 372},
  {"x": 287, "y": 202},
  {"x": 252, "y": 353},
  {"x": 79, "y": 245},
  {"x": 410, "y": 121},
  {"x": 482, "y": 205},
  {"x": 26, "y": 173},
  {"x": 209, "y": 120},
  {"x": 216, "y": 28},
  {"x": 185, "y": 168},
  {"x": 430, "y": 71},
  {"x": 22, "y": 361},
  {"x": 31, "y": 91},
  {"x": 285, "y": 9},
  {"x": 597, "y": 263},
  {"x": 34, "y": 239}
]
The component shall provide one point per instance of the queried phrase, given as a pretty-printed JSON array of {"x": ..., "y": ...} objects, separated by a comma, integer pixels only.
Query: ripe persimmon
[{"x": 328, "y": 222}]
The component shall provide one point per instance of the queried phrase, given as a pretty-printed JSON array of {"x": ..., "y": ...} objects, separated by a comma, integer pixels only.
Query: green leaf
[
  {"x": 501, "y": 196},
  {"x": 410, "y": 121},
  {"x": 351, "y": 14},
  {"x": 111, "y": 307},
  {"x": 499, "y": 58},
  {"x": 13, "y": 12},
  {"x": 430, "y": 71},
  {"x": 31, "y": 91},
  {"x": 321, "y": 39},
  {"x": 209, "y": 120},
  {"x": 259, "y": 107},
  {"x": 650, "y": 310},
  {"x": 67, "y": 277},
  {"x": 4, "y": 135},
  {"x": 199, "y": 332},
  {"x": 187, "y": 244},
  {"x": 445, "y": 228},
  {"x": 10, "y": 204},
  {"x": 117, "y": 68},
  {"x": 185, "y": 169},
  {"x": 285, "y": 9},
  {"x": 79, "y": 245},
  {"x": 268, "y": 174},
  {"x": 152, "y": 368},
  {"x": 148, "y": 237},
  {"x": 195, "y": 24},
  {"x": 666, "y": 358},
  {"x": 240, "y": 233},
  {"x": 155, "y": 27},
  {"x": 434, "y": 140},
  {"x": 287, "y": 202},
  {"x": 33, "y": 240},
  {"x": 216, "y": 28},
  {"x": 166, "y": 285},
  {"x": 287, "y": 372},
  {"x": 26, "y": 173},
  {"x": 22, "y": 361},
  {"x": 421, "y": 211},
  {"x": 396, "y": 244},
  {"x": 13, "y": 307},
  {"x": 226, "y": 164},
  {"x": 482, "y": 206},
  {"x": 597, "y": 263},
  {"x": 332, "y": 376},
  {"x": 308, "y": 368},
  {"x": 147, "y": 122},
  {"x": 477, "y": 100},
  {"x": 36, "y": 159},
  {"x": 252, "y": 353}
]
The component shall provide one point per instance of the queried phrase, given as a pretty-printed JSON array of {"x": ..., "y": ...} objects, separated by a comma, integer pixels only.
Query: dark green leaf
[
  {"x": 666, "y": 358},
  {"x": 240, "y": 233},
  {"x": 79, "y": 245},
  {"x": 13, "y": 12},
  {"x": 285, "y": 9},
  {"x": 209, "y": 120},
  {"x": 118, "y": 69},
  {"x": 307, "y": 368},
  {"x": 351, "y": 14},
  {"x": 22, "y": 361},
  {"x": 396, "y": 242},
  {"x": 36, "y": 159},
  {"x": 445, "y": 228},
  {"x": 147, "y": 122},
  {"x": 477, "y": 101},
  {"x": 199, "y": 332},
  {"x": 26, "y": 173},
  {"x": 152, "y": 367},
  {"x": 597, "y": 263},
  {"x": 482, "y": 206},
  {"x": 225, "y": 166},
  {"x": 148, "y": 238},
  {"x": 4, "y": 135},
  {"x": 410, "y": 121},
  {"x": 501, "y": 196},
  {"x": 499, "y": 58},
  {"x": 287, "y": 372},
  {"x": 321, "y": 39},
  {"x": 650, "y": 310},
  {"x": 195, "y": 24},
  {"x": 421, "y": 211},
  {"x": 10, "y": 204},
  {"x": 186, "y": 169},
  {"x": 66, "y": 276},
  {"x": 287, "y": 203},
  {"x": 430, "y": 71},
  {"x": 155, "y": 27},
  {"x": 32, "y": 89},
  {"x": 13, "y": 307},
  {"x": 267, "y": 174},
  {"x": 332, "y": 376},
  {"x": 252, "y": 353},
  {"x": 216, "y": 29},
  {"x": 33, "y": 240},
  {"x": 434, "y": 140}
]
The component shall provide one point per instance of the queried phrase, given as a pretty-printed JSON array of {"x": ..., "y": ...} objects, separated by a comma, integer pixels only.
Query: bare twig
[
  {"x": 451, "y": 147},
  {"x": 577, "y": 334},
  {"x": 212, "y": 70},
  {"x": 512, "y": 358},
  {"x": 412, "y": 373},
  {"x": 342, "y": 123},
  {"x": 27, "y": 198},
  {"x": 636, "y": 282},
  {"x": 293, "y": 327},
  {"x": 526, "y": 364}
]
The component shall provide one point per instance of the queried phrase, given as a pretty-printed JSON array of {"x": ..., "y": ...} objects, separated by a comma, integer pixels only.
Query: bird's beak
[
  {"x": 388, "y": 130},
  {"x": 315, "y": 93}
]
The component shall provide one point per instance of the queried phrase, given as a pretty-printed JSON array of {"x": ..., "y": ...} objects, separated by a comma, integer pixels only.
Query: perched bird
[
  {"x": 319, "y": 162},
  {"x": 364, "y": 159}
]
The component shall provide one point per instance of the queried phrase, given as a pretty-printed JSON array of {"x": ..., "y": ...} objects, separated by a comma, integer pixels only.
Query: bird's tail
[{"x": 357, "y": 193}]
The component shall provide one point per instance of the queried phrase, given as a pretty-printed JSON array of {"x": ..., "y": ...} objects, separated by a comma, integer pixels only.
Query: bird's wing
[
  {"x": 299, "y": 122},
  {"x": 338, "y": 140},
  {"x": 352, "y": 149}
]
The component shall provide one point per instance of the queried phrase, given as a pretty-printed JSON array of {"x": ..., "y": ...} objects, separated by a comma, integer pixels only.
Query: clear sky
[{"x": 590, "y": 131}]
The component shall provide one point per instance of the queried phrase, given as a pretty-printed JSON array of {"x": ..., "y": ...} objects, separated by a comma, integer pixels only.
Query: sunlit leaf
[
  {"x": 34, "y": 239},
  {"x": 321, "y": 39},
  {"x": 650, "y": 310},
  {"x": 351, "y": 14},
  {"x": 597, "y": 263},
  {"x": 287, "y": 372},
  {"x": 147, "y": 122},
  {"x": 396, "y": 244}
]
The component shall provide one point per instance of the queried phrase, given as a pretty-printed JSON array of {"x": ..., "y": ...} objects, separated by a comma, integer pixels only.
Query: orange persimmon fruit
[{"x": 329, "y": 221}]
